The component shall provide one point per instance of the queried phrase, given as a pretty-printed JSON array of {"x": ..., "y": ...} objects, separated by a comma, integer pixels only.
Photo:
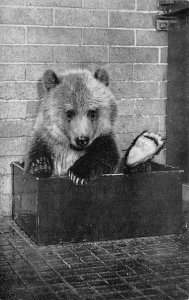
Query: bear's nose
[{"x": 82, "y": 141}]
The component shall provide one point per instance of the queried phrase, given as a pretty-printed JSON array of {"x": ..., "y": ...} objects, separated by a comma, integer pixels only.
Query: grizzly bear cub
[{"x": 73, "y": 132}]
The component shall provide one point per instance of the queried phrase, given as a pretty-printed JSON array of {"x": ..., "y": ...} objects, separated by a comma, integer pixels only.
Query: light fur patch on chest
[{"x": 63, "y": 161}]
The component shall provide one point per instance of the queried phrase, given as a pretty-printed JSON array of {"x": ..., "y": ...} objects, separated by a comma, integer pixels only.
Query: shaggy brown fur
[{"x": 77, "y": 110}]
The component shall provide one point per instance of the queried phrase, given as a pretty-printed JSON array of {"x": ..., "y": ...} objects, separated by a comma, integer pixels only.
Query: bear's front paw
[
  {"x": 76, "y": 180},
  {"x": 83, "y": 171},
  {"x": 41, "y": 167}
]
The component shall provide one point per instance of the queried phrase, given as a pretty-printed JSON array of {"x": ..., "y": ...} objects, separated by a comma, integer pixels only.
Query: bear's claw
[
  {"x": 76, "y": 180},
  {"x": 40, "y": 167}
]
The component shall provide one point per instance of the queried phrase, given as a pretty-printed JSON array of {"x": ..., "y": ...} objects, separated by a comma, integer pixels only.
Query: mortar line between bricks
[
  {"x": 135, "y": 5},
  {"x": 108, "y": 54},
  {"x": 82, "y": 37},
  {"x": 159, "y": 55},
  {"x": 26, "y": 239},
  {"x": 53, "y": 14},
  {"x": 76, "y": 27},
  {"x": 25, "y": 72},
  {"x": 17, "y": 119},
  {"x": 126, "y": 81},
  {"x": 25, "y": 34},
  {"x": 18, "y": 101},
  {"x": 75, "y": 63},
  {"x": 79, "y": 46},
  {"x": 40, "y": 7},
  {"x": 159, "y": 89}
]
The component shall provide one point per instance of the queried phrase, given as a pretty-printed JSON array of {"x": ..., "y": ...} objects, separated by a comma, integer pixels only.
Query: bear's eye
[
  {"x": 92, "y": 113},
  {"x": 70, "y": 114}
]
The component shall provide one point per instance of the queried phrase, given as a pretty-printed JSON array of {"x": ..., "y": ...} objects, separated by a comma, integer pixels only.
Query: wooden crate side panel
[
  {"x": 112, "y": 207},
  {"x": 25, "y": 201}
]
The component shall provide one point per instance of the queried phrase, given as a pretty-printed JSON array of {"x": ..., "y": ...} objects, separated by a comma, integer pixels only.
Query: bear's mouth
[{"x": 78, "y": 148}]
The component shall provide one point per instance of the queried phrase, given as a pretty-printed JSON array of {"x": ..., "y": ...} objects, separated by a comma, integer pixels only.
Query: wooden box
[{"x": 54, "y": 210}]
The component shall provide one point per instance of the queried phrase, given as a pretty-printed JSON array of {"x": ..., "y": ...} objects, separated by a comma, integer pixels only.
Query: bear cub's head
[{"x": 78, "y": 106}]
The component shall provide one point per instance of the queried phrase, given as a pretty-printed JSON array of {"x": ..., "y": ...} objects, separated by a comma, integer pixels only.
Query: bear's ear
[
  {"x": 50, "y": 79},
  {"x": 102, "y": 76}
]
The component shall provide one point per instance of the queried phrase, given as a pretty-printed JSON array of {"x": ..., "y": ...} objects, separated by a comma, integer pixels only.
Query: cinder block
[
  {"x": 12, "y": 53},
  {"x": 26, "y": 16},
  {"x": 126, "y": 107},
  {"x": 148, "y": 5},
  {"x": 8, "y": 90},
  {"x": 151, "y": 38},
  {"x": 108, "y": 4},
  {"x": 12, "y": 35},
  {"x": 26, "y": 91},
  {"x": 19, "y": 90},
  {"x": 108, "y": 37},
  {"x": 122, "y": 89},
  {"x": 11, "y": 110},
  {"x": 12, "y": 146},
  {"x": 133, "y": 55},
  {"x": 32, "y": 107},
  {"x": 137, "y": 123},
  {"x": 162, "y": 123},
  {"x": 81, "y": 54},
  {"x": 124, "y": 140},
  {"x": 145, "y": 89},
  {"x": 42, "y": 35},
  {"x": 26, "y": 53},
  {"x": 15, "y": 128},
  {"x": 132, "y": 20},
  {"x": 39, "y": 54},
  {"x": 164, "y": 55},
  {"x": 12, "y": 72},
  {"x": 126, "y": 124},
  {"x": 148, "y": 72},
  {"x": 151, "y": 107},
  {"x": 5, "y": 184},
  {"x": 55, "y": 3},
  {"x": 35, "y": 71},
  {"x": 81, "y": 18},
  {"x": 162, "y": 89},
  {"x": 120, "y": 71},
  {"x": 117, "y": 71},
  {"x": 135, "y": 89},
  {"x": 5, "y": 205},
  {"x": 5, "y": 164}
]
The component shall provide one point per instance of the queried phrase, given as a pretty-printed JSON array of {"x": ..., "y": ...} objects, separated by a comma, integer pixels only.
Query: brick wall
[{"x": 117, "y": 35}]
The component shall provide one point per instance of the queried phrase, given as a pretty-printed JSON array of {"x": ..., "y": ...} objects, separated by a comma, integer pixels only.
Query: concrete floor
[{"x": 142, "y": 268}]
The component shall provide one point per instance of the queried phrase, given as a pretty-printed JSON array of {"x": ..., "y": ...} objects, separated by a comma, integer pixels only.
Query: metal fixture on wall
[{"x": 174, "y": 19}]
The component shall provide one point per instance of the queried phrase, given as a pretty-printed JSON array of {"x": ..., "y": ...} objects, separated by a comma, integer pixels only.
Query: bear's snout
[{"x": 82, "y": 141}]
